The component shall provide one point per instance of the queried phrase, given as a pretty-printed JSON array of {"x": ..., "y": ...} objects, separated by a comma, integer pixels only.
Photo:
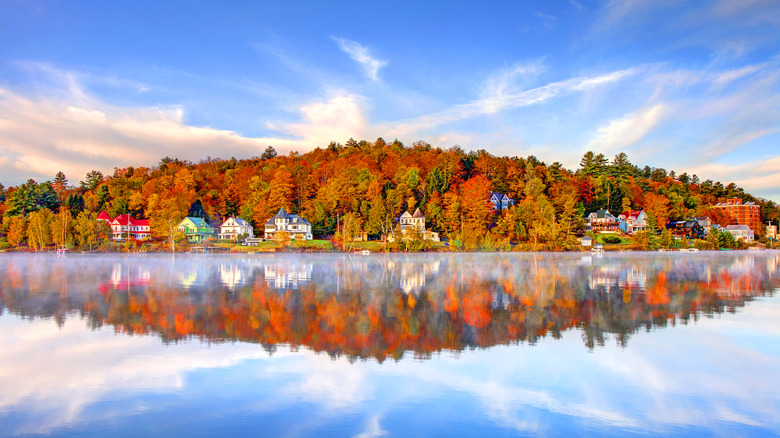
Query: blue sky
[{"x": 684, "y": 85}]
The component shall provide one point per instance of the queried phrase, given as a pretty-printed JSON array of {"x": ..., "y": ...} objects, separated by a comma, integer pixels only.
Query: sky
[{"x": 689, "y": 86}]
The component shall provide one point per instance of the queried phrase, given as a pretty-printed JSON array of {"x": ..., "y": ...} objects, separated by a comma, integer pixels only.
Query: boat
[
  {"x": 365, "y": 252},
  {"x": 62, "y": 249}
]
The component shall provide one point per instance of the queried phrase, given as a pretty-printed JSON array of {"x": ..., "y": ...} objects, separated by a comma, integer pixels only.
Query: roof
[
  {"x": 418, "y": 214},
  {"x": 239, "y": 221},
  {"x": 123, "y": 219},
  {"x": 293, "y": 218},
  {"x": 103, "y": 215},
  {"x": 601, "y": 214},
  {"x": 738, "y": 228},
  {"x": 406, "y": 214},
  {"x": 197, "y": 221},
  {"x": 500, "y": 196}
]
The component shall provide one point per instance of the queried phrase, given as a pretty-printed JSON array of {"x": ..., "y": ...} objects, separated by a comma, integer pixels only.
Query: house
[
  {"x": 689, "y": 229},
  {"x": 501, "y": 201},
  {"x": 295, "y": 226},
  {"x": 235, "y": 228},
  {"x": 601, "y": 221},
  {"x": 586, "y": 241},
  {"x": 740, "y": 232},
  {"x": 409, "y": 222},
  {"x": 196, "y": 230},
  {"x": 631, "y": 222},
  {"x": 747, "y": 213},
  {"x": 705, "y": 223},
  {"x": 771, "y": 231},
  {"x": 125, "y": 227}
]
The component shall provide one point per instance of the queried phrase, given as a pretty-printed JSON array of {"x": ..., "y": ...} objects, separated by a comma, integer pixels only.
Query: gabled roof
[
  {"x": 601, "y": 214},
  {"x": 406, "y": 214},
  {"x": 104, "y": 216},
  {"x": 738, "y": 228},
  {"x": 293, "y": 218},
  {"x": 418, "y": 214},
  {"x": 238, "y": 221},
  {"x": 123, "y": 219},
  {"x": 197, "y": 221}
]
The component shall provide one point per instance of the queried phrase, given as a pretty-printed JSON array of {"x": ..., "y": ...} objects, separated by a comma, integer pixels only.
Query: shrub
[{"x": 611, "y": 239}]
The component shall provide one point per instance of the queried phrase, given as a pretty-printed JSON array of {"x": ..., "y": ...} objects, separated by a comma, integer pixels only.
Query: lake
[{"x": 483, "y": 344}]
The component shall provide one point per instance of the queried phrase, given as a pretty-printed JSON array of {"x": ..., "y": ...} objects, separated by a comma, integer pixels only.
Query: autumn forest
[{"x": 364, "y": 186}]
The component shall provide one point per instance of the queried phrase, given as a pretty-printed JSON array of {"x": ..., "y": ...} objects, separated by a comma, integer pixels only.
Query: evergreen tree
[{"x": 92, "y": 180}]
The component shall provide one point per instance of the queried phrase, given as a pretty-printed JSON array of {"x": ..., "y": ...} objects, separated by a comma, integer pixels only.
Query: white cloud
[
  {"x": 500, "y": 102},
  {"x": 756, "y": 175},
  {"x": 724, "y": 78},
  {"x": 362, "y": 56},
  {"x": 373, "y": 429},
  {"x": 627, "y": 131},
  {"x": 78, "y": 133},
  {"x": 58, "y": 372}
]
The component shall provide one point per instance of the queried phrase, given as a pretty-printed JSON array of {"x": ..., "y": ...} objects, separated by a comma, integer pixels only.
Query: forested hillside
[{"x": 366, "y": 185}]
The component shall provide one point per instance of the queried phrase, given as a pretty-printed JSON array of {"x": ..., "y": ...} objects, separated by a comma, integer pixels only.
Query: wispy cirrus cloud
[
  {"x": 628, "y": 130},
  {"x": 362, "y": 56},
  {"x": 502, "y": 101}
]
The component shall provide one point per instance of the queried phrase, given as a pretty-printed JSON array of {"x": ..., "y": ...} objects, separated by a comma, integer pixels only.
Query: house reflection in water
[
  {"x": 413, "y": 274},
  {"x": 125, "y": 276},
  {"x": 288, "y": 275},
  {"x": 235, "y": 274}
]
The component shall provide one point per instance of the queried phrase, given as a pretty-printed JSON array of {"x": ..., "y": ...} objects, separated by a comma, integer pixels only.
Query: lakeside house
[
  {"x": 771, "y": 231},
  {"x": 690, "y": 229},
  {"x": 740, "y": 232},
  {"x": 705, "y": 223},
  {"x": 295, "y": 226},
  {"x": 196, "y": 230},
  {"x": 414, "y": 222},
  {"x": 501, "y": 201},
  {"x": 601, "y": 221},
  {"x": 125, "y": 227},
  {"x": 631, "y": 222},
  {"x": 235, "y": 228}
]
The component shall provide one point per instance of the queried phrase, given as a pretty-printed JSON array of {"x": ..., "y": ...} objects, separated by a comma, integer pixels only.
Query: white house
[
  {"x": 601, "y": 221},
  {"x": 740, "y": 232},
  {"x": 408, "y": 222},
  {"x": 295, "y": 226},
  {"x": 125, "y": 227},
  {"x": 234, "y": 228}
]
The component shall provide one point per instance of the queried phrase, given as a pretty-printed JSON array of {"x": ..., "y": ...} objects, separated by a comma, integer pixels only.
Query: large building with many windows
[{"x": 748, "y": 213}]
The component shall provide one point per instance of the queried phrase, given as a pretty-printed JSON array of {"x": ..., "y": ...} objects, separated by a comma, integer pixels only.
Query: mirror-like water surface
[{"x": 390, "y": 345}]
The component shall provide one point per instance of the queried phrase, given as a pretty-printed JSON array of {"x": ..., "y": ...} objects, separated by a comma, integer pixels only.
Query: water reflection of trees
[{"x": 386, "y": 306}]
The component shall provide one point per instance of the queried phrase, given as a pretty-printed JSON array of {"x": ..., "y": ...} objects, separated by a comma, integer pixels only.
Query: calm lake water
[{"x": 669, "y": 344}]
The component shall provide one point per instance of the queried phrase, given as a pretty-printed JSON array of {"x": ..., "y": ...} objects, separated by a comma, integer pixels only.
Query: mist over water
[{"x": 458, "y": 344}]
